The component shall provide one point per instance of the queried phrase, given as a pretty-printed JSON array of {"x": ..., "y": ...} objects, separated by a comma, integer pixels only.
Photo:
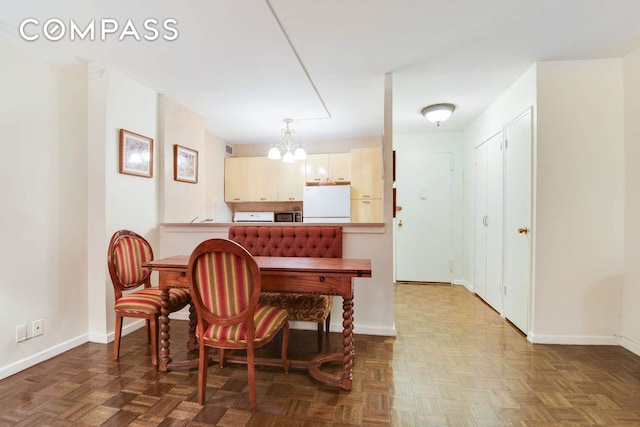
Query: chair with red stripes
[
  {"x": 134, "y": 295},
  {"x": 224, "y": 281}
]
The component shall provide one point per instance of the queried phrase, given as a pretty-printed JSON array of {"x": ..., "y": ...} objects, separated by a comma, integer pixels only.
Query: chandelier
[{"x": 287, "y": 148}]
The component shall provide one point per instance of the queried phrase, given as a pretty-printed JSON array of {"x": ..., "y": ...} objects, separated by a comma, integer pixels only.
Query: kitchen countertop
[{"x": 271, "y": 224}]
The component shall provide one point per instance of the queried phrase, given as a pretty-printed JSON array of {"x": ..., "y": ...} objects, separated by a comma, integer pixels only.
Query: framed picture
[
  {"x": 136, "y": 154},
  {"x": 185, "y": 164}
]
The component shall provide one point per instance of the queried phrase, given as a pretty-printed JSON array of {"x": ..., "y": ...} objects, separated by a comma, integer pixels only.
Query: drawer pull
[{"x": 321, "y": 279}]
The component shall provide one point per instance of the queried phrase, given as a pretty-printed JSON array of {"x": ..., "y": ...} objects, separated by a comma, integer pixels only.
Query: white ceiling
[{"x": 233, "y": 64}]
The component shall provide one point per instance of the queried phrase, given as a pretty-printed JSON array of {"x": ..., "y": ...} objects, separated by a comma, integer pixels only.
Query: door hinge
[
  {"x": 452, "y": 165},
  {"x": 451, "y": 265},
  {"x": 505, "y": 144},
  {"x": 504, "y": 290}
]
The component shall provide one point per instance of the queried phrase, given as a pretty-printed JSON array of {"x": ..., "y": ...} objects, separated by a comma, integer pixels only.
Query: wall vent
[{"x": 228, "y": 149}]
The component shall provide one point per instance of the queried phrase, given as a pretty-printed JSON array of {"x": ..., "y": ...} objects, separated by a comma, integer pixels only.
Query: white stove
[{"x": 253, "y": 217}]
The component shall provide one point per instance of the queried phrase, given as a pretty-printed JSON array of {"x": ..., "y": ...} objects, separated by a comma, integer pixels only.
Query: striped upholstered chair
[
  {"x": 225, "y": 282},
  {"x": 127, "y": 252}
]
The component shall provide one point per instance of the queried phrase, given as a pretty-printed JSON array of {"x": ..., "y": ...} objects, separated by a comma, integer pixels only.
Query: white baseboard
[
  {"x": 126, "y": 330},
  {"x": 464, "y": 283},
  {"x": 180, "y": 315},
  {"x": 630, "y": 345},
  {"x": 360, "y": 329},
  {"x": 337, "y": 327},
  {"x": 312, "y": 326},
  {"x": 41, "y": 356},
  {"x": 574, "y": 339}
]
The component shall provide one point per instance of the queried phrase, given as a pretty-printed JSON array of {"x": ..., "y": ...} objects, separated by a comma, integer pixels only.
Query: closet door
[
  {"x": 518, "y": 237},
  {"x": 489, "y": 221},
  {"x": 480, "y": 280},
  {"x": 494, "y": 221}
]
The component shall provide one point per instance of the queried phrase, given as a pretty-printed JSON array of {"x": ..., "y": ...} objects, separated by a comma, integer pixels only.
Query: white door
[
  {"x": 494, "y": 222},
  {"x": 518, "y": 178},
  {"x": 480, "y": 218},
  {"x": 423, "y": 226},
  {"x": 488, "y": 222}
]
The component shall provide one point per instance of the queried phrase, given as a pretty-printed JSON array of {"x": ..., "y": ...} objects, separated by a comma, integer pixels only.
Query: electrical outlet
[
  {"x": 21, "y": 332},
  {"x": 37, "y": 327}
]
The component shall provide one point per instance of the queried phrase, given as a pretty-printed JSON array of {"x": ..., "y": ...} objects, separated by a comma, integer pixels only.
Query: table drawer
[
  {"x": 175, "y": 279},
  {"x": 328, "y": 284}
]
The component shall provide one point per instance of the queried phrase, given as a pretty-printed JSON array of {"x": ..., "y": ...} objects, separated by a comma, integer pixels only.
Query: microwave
[{"x": 288, "y": 216}]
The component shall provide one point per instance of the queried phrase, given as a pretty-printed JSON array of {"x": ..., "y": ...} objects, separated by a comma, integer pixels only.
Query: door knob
[
  {"x": 523, "y": 230},
  {"x": 400, "y": 223}
]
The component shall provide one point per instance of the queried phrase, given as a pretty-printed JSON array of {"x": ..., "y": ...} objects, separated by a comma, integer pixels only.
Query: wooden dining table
[{"x": 327, "y": 276}]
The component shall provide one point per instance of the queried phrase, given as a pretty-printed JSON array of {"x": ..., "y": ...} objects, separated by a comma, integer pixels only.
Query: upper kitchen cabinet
[
  {"x": 334, "y": 167},
  {"x": 317, "y": 168},
  {"x": 263, "y": 179},
  {"x": 250, "y": 179},
  {"x": 291, "y": 178},
  {"x": 236, "y": 179},
  {"x": 366, "y": 173}
]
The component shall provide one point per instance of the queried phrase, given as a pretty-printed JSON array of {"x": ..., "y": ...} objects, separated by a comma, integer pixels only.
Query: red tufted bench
[{"x": 309, "y": 241}]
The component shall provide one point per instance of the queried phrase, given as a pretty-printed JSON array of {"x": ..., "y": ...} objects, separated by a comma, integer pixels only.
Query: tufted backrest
[{"x": 304, "y": 241}]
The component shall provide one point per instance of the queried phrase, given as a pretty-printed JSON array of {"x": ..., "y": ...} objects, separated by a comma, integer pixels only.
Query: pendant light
[{"x": 287, "y": 149}]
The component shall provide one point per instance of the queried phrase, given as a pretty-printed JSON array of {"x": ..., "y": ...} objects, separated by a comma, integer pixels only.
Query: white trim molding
[{"x": 39, "y": 357}]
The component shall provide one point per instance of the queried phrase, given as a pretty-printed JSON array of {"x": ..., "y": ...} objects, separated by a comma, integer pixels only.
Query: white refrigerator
[{"x": 326, "y": 203}]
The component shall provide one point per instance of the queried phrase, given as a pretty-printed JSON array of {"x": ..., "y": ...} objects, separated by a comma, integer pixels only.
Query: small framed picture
[
  {"x": 136, "y": 154},
  {"x": 185, "y": 164}
]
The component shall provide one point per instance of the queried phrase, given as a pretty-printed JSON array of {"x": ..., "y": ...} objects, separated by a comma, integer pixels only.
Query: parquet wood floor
[{"x": 455, "y": 362}]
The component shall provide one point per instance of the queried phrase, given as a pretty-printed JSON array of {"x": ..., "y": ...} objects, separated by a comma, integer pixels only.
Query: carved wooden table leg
[
  {"x": 347, "y": 343},
  {"x": 165, "y": 359},
  {"x": 193, "y": 321}
]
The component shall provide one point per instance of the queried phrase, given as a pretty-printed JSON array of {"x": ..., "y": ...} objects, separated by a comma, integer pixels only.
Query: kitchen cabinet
[
  {"x": 366, "y": 210},
  {"x": 263, "y": 179},
  {"x": 250, "y": 179},
  {"x": 291, "y": 182},
  {"x": 236, "y": 179},
  {"x": 340, "y": 167},
  {"x": 366, "y": 185},
  {"x": 366, "y": 173},
  {"x": 334, "y": 167}
]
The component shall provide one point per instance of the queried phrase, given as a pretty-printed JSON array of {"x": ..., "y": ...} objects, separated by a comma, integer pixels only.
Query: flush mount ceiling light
[
  {"x": 291, "y": 150},
  {"x": 438, "y": 113}
]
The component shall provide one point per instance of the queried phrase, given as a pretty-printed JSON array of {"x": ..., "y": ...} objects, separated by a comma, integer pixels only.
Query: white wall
[
  {"x": 116, "y": 200},
  {"x": 214, "y": 155},
  {"x": 181, "y": 201},
  {"x": 630, "y": 328},
  {"x": 580, "y": 202},
  {"x": 43, "y": 216},
  {"x": 444, "y": 142}
]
